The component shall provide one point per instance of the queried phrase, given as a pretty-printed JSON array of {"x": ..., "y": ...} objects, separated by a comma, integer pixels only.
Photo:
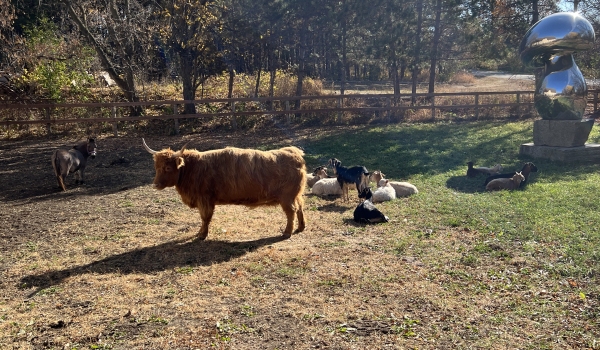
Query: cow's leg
[
  {"x": 206, "y": 213},
  {"x": 290, "y": 212},
  {"x": 300, "y": 215}
]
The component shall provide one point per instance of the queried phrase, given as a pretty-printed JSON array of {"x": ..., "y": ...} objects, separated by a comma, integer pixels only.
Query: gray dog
[{"x": 73, "y": 160}]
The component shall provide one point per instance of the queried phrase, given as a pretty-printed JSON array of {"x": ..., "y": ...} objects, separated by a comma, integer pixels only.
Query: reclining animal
[
  {"x": 384, "y": 193},
  {"x": 366, "y": 212},
  {"x": 527, "y": 169},
  {"x": 403, "y": 189},
  {"x": 505, "y": 183},
  {"x": 473, "y": 172},
  {"x": 319, "y": 173}
]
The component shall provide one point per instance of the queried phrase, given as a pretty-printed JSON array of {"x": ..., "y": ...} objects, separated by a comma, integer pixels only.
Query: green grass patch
[{"x": 555, "y": 214}]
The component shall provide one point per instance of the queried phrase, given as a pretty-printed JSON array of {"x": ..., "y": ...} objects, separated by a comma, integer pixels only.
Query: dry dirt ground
[{"x": 113, "y": 263}]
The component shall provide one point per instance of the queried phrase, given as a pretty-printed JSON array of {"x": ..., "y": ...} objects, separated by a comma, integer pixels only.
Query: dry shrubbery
[{"x": 462, "y": 77}]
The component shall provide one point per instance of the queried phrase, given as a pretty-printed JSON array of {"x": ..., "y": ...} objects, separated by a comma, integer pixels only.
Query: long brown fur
[{"x": 235, "y": 176}]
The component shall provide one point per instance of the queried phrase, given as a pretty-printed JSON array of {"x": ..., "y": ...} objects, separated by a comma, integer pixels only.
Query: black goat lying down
[
  {"x": 366, "y": 212},
  {"x": 358, "y": 175},
  {"x": 527, "y": 168}
]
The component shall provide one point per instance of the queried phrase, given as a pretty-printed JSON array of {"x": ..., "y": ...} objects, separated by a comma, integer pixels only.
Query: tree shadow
[
  {"x": 147, "y": 260},
  {"x": 466, "y": 184}
]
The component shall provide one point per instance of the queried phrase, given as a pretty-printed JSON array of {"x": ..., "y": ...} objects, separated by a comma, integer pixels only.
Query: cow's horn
[{"x": 148, "y": 148}]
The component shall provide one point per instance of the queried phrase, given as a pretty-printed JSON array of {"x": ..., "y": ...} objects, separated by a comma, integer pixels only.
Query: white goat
[
  {"x": 505, "y": 183},
  {"x": 384, "y": 193},
  {"x": 403, "y": 189},
  {"x": 318, "y": 174}
]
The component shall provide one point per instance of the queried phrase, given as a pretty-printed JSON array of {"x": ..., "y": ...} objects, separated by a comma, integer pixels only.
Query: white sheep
[
  {"x": 384, "y": 193},
  {"x": 505, "y": 183},
  {"x": 318, "y": 174},
  {"x": 403, "y": 189},
  {"x": 327, "y": 187}
]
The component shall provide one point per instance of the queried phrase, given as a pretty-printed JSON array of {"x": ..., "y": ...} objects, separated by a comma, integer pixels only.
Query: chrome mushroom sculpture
[{"x": 548, "y": 46}]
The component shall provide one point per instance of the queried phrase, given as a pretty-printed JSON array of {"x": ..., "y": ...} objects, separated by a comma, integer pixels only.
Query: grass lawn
[{"x": 455, "y": 268}]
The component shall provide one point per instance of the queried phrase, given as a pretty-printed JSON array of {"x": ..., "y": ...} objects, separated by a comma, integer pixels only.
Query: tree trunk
[
  {"x": 535, "y": 12},
  {"x": 189, "y": 92},
  {"x": 230, "y": 83},
  {"x": 344, "y": 58},
  {"x": 260, "y": 63},
  {"x": 437, "y": 32},
  {"x": 416, "y": 59},
  {"x": 272, "y": 74},
  {"x": 301, "y": 65}
]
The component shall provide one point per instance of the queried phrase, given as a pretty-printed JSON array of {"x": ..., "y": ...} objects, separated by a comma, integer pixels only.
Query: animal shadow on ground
[
  {"x": 465, "y": 184},
  {"x": 351, "y": 222},
  {"x": 151, "y": 259},
  {"x": 332, "y": 208}
]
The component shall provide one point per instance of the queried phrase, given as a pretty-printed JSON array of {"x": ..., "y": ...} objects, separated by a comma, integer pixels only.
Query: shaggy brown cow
[{"x": 234, "y": 176}]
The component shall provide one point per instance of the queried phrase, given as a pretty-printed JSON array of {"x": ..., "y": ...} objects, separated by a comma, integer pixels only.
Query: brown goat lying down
[
  {"x": 505, "y": 183},
  {"x": 234, "y": 176}
]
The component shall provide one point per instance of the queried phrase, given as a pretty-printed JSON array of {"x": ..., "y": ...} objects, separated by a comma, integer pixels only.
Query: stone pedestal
[
  {"x": 588, "y": 153},
  {"x": 562, "y": 133},
  {"x": 562, "y": 141}
]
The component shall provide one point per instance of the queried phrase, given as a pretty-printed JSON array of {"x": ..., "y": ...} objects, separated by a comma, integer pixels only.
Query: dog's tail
[{"x": 56, "y": 166}]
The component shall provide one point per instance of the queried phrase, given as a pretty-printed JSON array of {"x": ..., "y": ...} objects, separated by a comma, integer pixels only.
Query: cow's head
[{"x": 167, "y": 164}]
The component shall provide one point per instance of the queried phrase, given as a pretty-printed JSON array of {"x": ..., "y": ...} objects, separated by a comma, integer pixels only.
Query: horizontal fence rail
[{"x": 383, "y": 103}]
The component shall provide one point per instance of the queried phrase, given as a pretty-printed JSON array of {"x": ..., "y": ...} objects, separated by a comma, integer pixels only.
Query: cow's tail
[{"x": 57, "y": 172}]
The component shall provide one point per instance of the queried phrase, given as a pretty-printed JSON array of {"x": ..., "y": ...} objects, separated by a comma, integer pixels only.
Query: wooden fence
[{"x": 385, "y": 105}]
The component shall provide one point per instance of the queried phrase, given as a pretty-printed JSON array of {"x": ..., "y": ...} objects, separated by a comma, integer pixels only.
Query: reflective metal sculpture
[{"x": 548, "y": 46}]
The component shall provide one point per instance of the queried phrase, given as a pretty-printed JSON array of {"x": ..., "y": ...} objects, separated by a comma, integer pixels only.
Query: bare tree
[{"x": 120, "y": 33}]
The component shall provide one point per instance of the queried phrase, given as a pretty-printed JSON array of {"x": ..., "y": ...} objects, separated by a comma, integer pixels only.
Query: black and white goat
[
  {"x": 358, "y": 175},
  {"x": 366, "y": 212}
]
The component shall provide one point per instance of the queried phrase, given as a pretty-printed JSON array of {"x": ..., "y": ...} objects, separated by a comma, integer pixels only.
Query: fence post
[
  {"x": 233, "y": 116},
  {"x": 476, "y": 106},
  {"x": 114, "y": 115},
  {"x": 433, "y": 107},
  {"x": 47, "y": 117},
  {"x": 287, "y": 115},
  {"x": 176, "y": 120}
]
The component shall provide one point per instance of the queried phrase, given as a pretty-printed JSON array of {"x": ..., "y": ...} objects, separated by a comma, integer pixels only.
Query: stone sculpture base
[
  {"x": 561, "y": 133},
  {"x": 588, "y": 153}
]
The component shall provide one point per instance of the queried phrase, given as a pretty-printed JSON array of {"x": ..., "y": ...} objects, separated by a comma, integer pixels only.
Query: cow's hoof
[
  {"x": 201, "y": 237},
  {"x": 286, "y": 236}
]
